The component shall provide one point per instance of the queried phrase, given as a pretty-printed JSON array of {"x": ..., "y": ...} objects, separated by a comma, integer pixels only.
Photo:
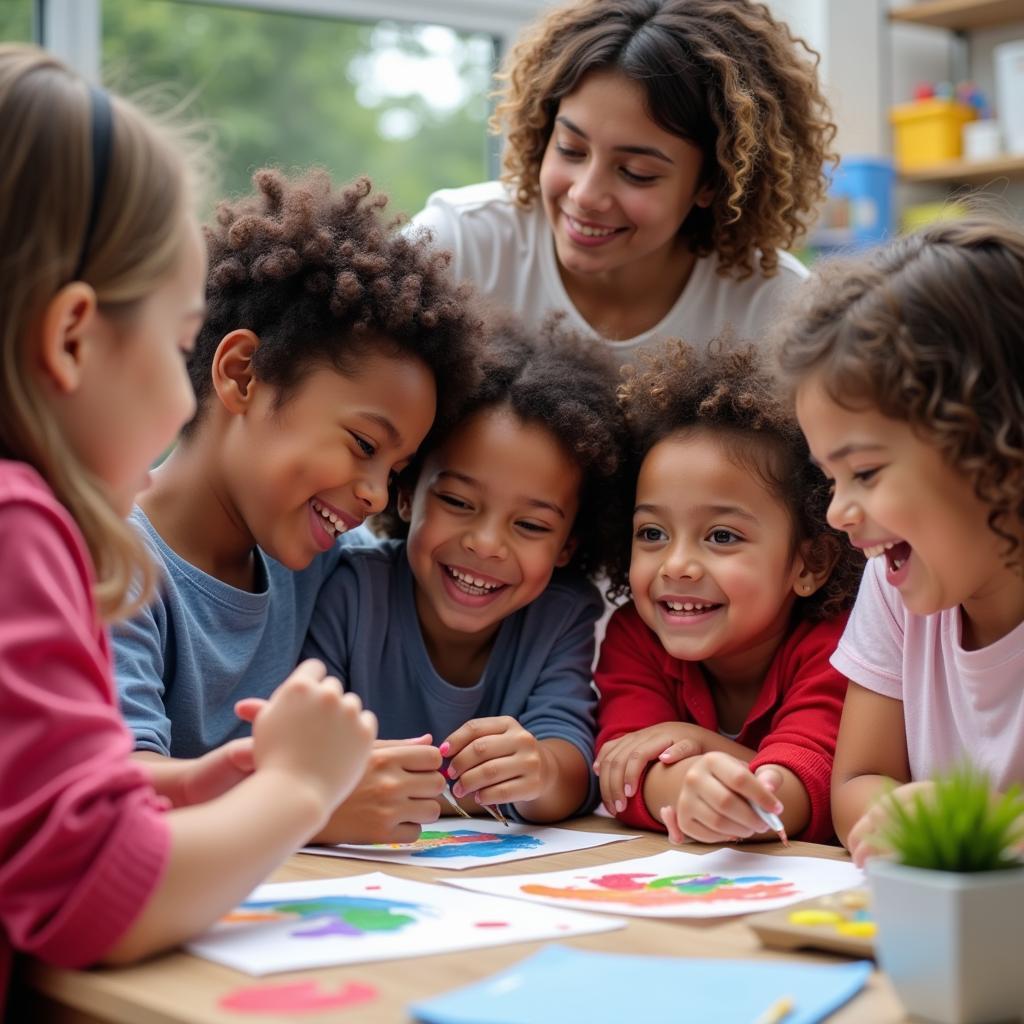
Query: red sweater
[
  {"x": 793, "y": 722},
  {"x": 83, "y": 837}
]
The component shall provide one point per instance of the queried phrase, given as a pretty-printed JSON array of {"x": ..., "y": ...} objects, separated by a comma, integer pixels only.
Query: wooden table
[{"x": 180, "y": 989}]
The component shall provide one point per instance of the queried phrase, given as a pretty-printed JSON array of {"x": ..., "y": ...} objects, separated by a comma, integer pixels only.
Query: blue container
[{"x": 859, "y": 209}]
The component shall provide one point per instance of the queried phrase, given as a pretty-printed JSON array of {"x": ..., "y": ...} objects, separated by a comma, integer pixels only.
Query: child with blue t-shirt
[
  {"x": 329, "y": 343},
  {"x": 476, "y": 631}
]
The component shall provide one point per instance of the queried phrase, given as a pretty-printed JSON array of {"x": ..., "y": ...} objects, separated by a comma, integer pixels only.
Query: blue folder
[{"x": 561, "y": 983}]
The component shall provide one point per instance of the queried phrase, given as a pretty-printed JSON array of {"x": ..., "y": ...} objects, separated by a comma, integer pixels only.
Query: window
[
  {"x": 16, "y": 21},
  {"x": 406, "y": 104}
]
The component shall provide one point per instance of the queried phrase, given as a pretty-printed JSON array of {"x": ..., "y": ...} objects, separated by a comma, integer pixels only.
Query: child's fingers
[
  {"x": 473, "y": 729},
  {"x": 642, "y": 754},
  {"x": 679, "y": 751},
  {"x": 240, "y": 754},
  {"x": 312, "y": 669},
  {"x": 738, "y": 778},
  {"x": 671, "y": 823},
  {"x": 485, "y": 749},
  {"x": 720, "y": 809},
  {"x": 770, "y": 777},
  {"x": 426, "y": 739},
  {"x": 487, "y": 776},
  {"x": 249, "y": 707},
  {"x": 698, "y": 822}
]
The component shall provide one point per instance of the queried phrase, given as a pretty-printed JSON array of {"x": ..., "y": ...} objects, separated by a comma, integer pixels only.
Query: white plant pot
[{"x": 952, "y": 944}]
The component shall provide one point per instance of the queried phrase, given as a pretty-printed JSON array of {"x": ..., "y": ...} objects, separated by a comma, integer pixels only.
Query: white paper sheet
[
  {"x": 455, "y": 843},
  {"x": 679, "y": 884},
  {"x": 291, "y": 926}
]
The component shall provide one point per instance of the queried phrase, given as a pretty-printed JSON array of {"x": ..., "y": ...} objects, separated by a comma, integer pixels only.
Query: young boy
[{"x": 329, "y": 345}]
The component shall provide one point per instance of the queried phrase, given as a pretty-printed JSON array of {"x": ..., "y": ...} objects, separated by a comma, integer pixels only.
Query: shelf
[
  {"x": 967, "y": 170},
  {"x": 960, "y": 15}
]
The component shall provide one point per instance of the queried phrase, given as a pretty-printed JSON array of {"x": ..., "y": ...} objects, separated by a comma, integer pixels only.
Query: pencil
[
  {"x": 778, "y": 1011},
  {"x": 773, "y": 821},
  {"x": 456, "y": 806}
]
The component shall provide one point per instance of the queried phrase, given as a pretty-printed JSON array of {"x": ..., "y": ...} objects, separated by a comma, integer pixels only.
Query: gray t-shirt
[
  {"x": 183, "y": 662},
  {"x": 366, "y": 630}
]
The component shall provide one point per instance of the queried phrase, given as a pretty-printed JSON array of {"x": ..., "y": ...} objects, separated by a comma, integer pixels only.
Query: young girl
[
  {"x": 715, "y": 684},
  {"x": 660, "y": 156},
  {"x": 478, "y": 628},
  {"x": 102, "y": 275},
  {"x": 909, "y": 377}
]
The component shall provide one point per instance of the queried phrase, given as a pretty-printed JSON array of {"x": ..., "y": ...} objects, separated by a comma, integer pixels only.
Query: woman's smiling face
[{"x": 615, "y": 186}]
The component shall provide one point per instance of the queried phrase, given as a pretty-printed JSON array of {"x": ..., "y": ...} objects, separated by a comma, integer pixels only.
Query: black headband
[{"x": 102, "y": 117}]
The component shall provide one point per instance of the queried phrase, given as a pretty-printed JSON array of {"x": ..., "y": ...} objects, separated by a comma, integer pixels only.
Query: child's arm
[
  {"x": 310, "y": 744},
  {"x": 194, "y": 780},
  {"x": 871, "y": 757}
]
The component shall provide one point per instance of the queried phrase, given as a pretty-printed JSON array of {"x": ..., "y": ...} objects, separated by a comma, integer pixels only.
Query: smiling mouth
[
  {"x": 689, "y": 607},
  {"x": 475, "y": 586},
  {"x": 330, "y": 522},
  {"x": 590, "y": 231},
  {"x": 896, "y": 553}
]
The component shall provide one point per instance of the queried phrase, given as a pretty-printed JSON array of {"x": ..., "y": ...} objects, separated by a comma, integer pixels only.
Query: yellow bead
[
  {"x": 857, "y": 929},
  {"x": 815, "y": 917}
]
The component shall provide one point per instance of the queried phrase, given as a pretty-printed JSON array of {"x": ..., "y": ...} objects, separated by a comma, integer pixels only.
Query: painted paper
[
  {"x": 455, "y": 843},
  {"x": 290, "y": 926},
  {"x": 680, "y": 884}
]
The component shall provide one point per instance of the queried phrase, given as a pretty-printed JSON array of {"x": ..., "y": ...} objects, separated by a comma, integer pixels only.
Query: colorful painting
[
  {"x": 291, "y": 926},
  {"x": 457, "y": 844},
  {"x": 329, "y": 915},
  {"x": 681, "y": 884}
]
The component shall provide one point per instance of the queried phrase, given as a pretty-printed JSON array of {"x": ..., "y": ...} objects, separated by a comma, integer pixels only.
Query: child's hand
[
  {"x": 204, "y": 778},
  {"x": 497, "y": 761},
  {"x": 315, "y": 733},
  {"x": 396, "y": 795},
  {"x": 712, "y": 805},
  {"x": 622, "y": 761},
  {"x": 863, "y": 840}
]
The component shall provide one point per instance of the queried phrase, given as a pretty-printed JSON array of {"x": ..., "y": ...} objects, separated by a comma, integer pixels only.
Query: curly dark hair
[
  {"x": 558, "y": 379},
  {"x": 723, "y": 74},
  {"x": 731, "y": 391},
  {"x": 927, "y": 330},
  {"x": 321, "y": 278}
]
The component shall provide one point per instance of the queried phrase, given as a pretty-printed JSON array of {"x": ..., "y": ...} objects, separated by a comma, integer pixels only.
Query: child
[
  {"x": 715, "y": 684},
  {"x": 328, "y": 343},
  {"x": 101, "y": 289},
  {"x": 660, "y": 156},
  {"x": 910, "y": 388},
  {"x": 477, "y": 629}
]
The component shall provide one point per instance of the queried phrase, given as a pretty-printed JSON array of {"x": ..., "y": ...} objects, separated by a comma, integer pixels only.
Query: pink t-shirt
[
  {"x": 957, "y": 705},
  {"x": 83, "y": 836}
]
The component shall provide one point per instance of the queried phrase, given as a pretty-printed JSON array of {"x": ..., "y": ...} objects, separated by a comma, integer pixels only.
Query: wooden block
[{"x": 841, "y": 915}]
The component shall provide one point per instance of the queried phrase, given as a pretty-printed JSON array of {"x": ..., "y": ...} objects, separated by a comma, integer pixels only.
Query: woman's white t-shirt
[{"x": 508, "y": 253}]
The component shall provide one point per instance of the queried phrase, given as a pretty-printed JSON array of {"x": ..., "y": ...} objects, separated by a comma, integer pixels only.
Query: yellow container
[{"x": 927, "y": 132}]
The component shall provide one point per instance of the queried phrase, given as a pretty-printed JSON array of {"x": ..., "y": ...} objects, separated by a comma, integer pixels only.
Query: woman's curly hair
[
  {"x": 320, "y": 276},
  {"x": 555, "y": 378},
  {"x": 722, "y": 74},
  {"x": 928, "y": 331},
  {"x": 731, "y": 392}
]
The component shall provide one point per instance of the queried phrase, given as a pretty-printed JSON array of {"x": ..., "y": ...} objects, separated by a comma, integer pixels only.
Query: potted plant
[{"x": 949, "y": 902}]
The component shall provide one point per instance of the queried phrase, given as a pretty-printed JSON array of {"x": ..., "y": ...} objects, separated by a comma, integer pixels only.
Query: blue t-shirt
[
  {"x": 366, "y": 630},
  {"x": 182, "y": 662}
]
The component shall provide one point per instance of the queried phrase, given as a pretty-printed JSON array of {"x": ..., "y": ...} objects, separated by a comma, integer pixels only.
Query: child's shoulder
[{"x": 20, "y": 482}]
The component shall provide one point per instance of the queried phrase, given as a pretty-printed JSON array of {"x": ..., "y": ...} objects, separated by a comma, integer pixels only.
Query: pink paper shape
[{"x": 297, "y": 997}]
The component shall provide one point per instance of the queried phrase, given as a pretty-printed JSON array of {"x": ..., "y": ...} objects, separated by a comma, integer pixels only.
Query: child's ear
[
  {"x": 565, "y": 555},
  {"x": 816, "y": 560},
  {"x": 403, "y": 504},
  {"x": 66, "y": 327},
  {"x": 232, "y": 371}
]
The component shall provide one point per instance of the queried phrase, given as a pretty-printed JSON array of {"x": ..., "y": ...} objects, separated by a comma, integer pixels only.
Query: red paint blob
[
  {"x": 491, "y": 924},
  {"x": 373, "y": 887},
  {"x": 297, "y": 997}
]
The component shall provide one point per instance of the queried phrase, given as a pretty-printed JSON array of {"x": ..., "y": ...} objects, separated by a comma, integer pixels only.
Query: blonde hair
[
  {"x": 724, "y": 74},
  {"x": 45, "y": 188}
]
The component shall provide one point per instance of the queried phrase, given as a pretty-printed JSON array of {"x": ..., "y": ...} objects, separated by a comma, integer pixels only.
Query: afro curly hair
[
  {"x": 731, "y": 392},
  {"x": 722, "y": 74},
  {"x": 321, "y": 278},
  {"x": 558, "y": 379}
]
